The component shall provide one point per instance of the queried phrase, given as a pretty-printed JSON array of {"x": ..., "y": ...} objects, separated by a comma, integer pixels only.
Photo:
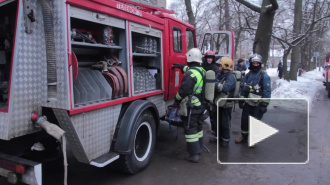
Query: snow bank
[
  {"x": 306, "y": 87},
  {"x": 272, "y": 72}
]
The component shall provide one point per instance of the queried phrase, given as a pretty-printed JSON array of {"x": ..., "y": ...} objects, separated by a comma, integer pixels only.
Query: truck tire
[
  {"x": 143, "y": 145},
  {"x": 329, "y": 93}
]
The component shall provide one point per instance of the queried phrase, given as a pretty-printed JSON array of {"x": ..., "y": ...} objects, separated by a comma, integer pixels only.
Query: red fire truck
[{"x": 100, "y": 71}]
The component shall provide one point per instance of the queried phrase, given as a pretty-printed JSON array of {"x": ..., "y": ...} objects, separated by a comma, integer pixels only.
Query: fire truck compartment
[
  {"x": 7, "y": 30},
  {"x": 126, "y": 58}
]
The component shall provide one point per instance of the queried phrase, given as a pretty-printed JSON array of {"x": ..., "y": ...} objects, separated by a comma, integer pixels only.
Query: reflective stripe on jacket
[{"x": 192, "y": 84}]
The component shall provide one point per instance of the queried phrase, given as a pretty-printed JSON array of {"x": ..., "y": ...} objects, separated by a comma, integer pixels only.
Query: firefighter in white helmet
[{"x": 190, "y": 98}]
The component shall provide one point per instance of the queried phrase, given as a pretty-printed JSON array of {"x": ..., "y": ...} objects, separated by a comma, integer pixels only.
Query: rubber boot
[
  {"x": 193, "y": 149},
  {"x": 242, "y": 139},
  {"x": 224, "y": 144},
  {"x": 193, "y": 158}
]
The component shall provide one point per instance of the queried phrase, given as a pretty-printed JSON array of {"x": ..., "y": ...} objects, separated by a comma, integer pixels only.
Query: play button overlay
[
  {"x": 259, "y": 131},
  {"x": 281, "y": 136}
]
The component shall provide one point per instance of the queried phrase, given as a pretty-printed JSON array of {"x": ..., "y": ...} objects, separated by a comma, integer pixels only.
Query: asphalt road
[
  {"x": 289, "y": 145},
  {"x": 169, "y": 167}
]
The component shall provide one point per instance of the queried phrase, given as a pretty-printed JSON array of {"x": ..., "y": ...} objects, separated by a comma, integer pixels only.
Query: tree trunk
[
  {"x": 237, "y": 37},
  {"x": 304, "y": 56},
  {"x": 190, "y": 13},
  {"x": 285, "y": 63},
  {"x": 227, "y": 15},
  {"x": 264, "y": 31},
  {"x": 220, "y": 16},
  {"x": 296, "y": 56}
]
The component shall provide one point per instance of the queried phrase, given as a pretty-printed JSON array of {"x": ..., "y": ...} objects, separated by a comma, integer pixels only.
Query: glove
[
  {"x": 263, "y": 108},
  {"x": 245, "y": 90},
  {"x": 241, "y": 104},
  {"x": 180, "y": 66}
]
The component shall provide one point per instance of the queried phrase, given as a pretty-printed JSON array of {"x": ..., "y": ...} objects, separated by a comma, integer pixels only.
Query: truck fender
[{"x": 127, "y": 122}]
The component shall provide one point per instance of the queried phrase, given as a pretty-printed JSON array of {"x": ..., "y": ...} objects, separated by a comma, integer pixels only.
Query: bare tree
[
  {"x": 227, "y": 16},
  {"x": 190, "y": 13},
  {"x": 296, "y": 51},
  {"x": 244, "y": 23},
  {"x": 179, "y": 10},
  {"x": 263, "y": 35},
  {"x": 290, "y": 41}
]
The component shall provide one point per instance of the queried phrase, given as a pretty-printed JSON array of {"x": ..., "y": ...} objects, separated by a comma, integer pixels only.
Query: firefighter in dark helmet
[
  {"x": 255, "y": 84},
  {"x": 191, "y": 105},
  {"x": 209, "y": 62}
]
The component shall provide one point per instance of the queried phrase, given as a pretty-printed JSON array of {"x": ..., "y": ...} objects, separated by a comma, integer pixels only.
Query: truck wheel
[
  {"x": 143, "y": 144},
  {"x": 329, "y": 93}
]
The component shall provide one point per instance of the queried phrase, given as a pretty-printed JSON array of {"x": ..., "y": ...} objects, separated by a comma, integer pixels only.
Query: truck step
[{"x": 105, "y": 159}]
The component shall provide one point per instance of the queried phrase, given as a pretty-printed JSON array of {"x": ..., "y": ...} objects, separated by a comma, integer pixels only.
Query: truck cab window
[
  {"x": 206, "y": 46},
  {"x": 221, "y": 43},
  {"x": 177, "y": 40},
  {"x": 190, "y": 39}
]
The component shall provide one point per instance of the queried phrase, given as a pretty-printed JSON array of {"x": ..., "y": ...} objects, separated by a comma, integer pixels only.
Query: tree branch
[
  {"x": 308, "y": 31},
  {"x": 250, "y": 5},
  {"x": 281, "y": 41},
  {"x": 272, "y": 7},
  {"x": 274, "y": 4},
  {"x": 303, "y": 37}
]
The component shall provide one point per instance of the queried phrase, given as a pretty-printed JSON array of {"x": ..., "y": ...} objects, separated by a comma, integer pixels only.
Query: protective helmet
[
  {"x": 256, "y": 58},
  {"x": 227, "y": 63},
  {"x": 210, "y": 54},
  {"x": 194, "y": 55}
]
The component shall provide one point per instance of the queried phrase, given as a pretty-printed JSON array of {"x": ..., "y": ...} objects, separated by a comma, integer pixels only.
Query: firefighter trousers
[
  {"x": 194, "y": 129},
  {"x": 224, "y": 123},
  {"x": 249, "y": 110}
]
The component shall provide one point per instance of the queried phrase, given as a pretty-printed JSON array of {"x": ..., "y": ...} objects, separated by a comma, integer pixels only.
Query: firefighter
[
  {"x": 280, "y": 69},
  {"x": 190, "y": 91},
  {"x": 255, "y": 84},
  {"x": 240, "y": 66},
  {"x": 209, "y": 62},
  {"x": 225, "y": 88}
]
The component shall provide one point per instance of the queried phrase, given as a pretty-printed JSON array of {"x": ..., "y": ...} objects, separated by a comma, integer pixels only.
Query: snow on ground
[
  {"x": 307, "y": 86},
  {"x": 272, "y": 72}
]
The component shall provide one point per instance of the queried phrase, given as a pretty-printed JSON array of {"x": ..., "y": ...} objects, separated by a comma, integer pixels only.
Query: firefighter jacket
[
  {"x": 211, "y": 66},
  {"x": 192, "y": 84},
  {"x": 225, "y": 85},
  {"x": 239, "y": 67},
  {"x": 258, "y": 84},
  {"x": 228, "y": 83}
]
